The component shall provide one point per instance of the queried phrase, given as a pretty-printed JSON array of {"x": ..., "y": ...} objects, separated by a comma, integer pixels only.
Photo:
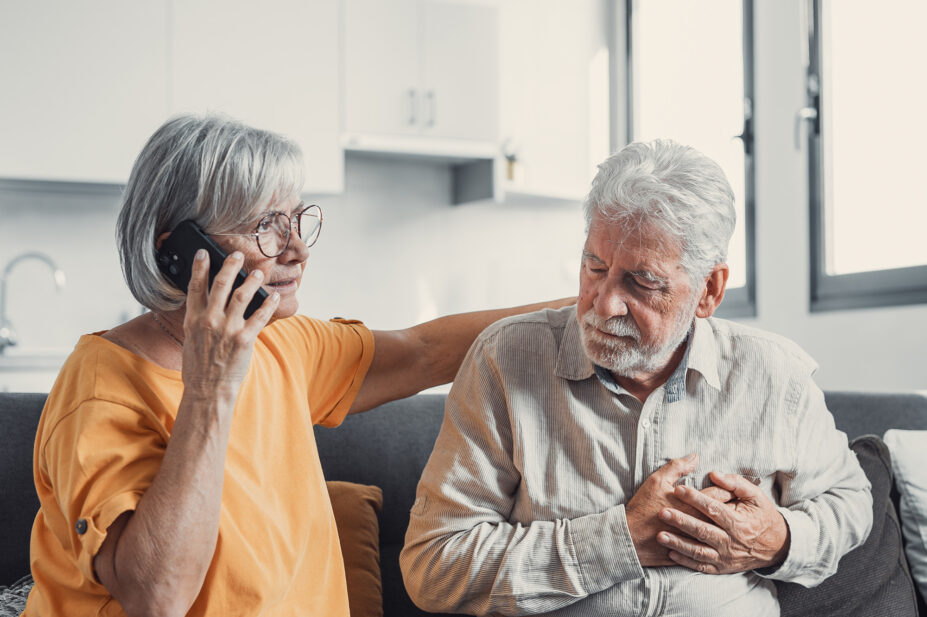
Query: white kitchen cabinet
[
  {"x": 271, "y": 64},
  {"x": 555, "y": 96},
  {"x": 421, "y": 76},
  {"x": 85, "y": 83}
]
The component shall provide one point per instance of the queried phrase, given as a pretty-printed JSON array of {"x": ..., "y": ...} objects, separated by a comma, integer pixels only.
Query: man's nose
[{"x": 610, "y": 302}]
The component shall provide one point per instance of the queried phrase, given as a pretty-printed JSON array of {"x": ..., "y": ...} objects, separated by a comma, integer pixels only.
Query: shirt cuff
[
  {"x": 803, "y": 544},
  {"x": 91, "y": 529},
  {"x": 604, "y": 550}
]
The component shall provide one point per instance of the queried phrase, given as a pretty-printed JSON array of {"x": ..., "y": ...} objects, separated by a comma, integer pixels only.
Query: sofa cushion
[
  {"x": 356, "y": 507},
  {"x": 909, "y": 455},
  {"x": 873, "y": 578}
]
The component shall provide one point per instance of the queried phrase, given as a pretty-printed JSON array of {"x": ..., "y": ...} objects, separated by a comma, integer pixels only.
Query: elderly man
[{"x": 634, "y": 455}]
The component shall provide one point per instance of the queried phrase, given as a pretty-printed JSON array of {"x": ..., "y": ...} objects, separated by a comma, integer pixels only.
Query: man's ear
[
  {"x": 160, "y": 239},
  {"x": 713, "y": 293}
]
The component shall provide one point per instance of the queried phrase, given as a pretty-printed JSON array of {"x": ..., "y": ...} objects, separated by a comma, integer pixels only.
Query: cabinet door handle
[
  {"x": 432, "y": 108},
  {"x": 413, "y": 106}
]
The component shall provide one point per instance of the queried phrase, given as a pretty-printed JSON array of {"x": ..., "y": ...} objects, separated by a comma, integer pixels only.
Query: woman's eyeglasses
[{"x": 273, "y": 232}]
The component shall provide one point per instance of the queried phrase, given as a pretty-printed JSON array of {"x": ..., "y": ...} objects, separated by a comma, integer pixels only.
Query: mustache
[{"x": 616, "y": 326}]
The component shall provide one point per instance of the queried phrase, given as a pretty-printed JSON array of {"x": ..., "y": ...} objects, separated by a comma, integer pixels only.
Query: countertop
[{"x": 36, "y": 359}]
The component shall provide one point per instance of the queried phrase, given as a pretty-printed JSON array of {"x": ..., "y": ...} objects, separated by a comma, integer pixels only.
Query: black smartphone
[{"x": 175, "y": 260}]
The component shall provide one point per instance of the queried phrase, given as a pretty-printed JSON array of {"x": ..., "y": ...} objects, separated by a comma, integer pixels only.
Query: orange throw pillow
[{"x": 356, "y": 507}]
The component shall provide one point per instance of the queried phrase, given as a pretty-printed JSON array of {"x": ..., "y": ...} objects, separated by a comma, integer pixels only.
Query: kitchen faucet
[{"x": 7, "y": 335}]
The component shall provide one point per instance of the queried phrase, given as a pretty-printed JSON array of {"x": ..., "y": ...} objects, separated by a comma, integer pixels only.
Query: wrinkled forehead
[
  {"x": 271, "y": 204},
  {"x": 636, "y": 239},
  {"x": 282, "y": 203}
]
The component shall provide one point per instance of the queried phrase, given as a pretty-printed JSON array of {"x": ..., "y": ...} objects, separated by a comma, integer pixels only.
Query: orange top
[{"x": 101, "y": 439}]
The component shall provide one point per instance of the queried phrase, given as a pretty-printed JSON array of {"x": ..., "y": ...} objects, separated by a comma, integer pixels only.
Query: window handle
[
  {"x": 746, "y": 136},
  {"x": 803, "y": 115}
]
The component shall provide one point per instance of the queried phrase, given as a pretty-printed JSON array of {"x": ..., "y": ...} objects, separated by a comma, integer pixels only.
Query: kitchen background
[{"x": 405, "y": 110}]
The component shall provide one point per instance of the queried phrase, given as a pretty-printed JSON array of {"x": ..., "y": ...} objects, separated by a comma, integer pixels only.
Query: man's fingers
[
  {"x": 676, "y": 468},
  {"x": 688, "y": 548},
  {"x": 712, "y": 508},
  {"x": 718, "y": 493},
  {"x": 702, "y": 531},
  {"x": 698, "y": 566},
  {"x": 742, "y": 489}
]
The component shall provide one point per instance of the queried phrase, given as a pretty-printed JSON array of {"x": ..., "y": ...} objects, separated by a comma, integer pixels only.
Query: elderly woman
[{"x": 175, "y": 461}]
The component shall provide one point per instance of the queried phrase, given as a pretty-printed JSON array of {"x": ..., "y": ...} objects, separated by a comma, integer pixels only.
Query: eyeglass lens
[{"x": 273, "y": 232}]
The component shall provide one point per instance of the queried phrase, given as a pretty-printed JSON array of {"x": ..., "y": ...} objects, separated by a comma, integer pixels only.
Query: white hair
[
  {"x": 212, "y": 169},
  {"x": 674, "y": 187}
]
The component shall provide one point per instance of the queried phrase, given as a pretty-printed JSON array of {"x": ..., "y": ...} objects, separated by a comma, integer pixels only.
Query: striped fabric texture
[{"x": 520, "y": 509}]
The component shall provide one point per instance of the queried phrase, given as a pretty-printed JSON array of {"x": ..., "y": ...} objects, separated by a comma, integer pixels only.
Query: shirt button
[
  {"x": 81, "y": 526},
  {"x": 645, "y": 423}
]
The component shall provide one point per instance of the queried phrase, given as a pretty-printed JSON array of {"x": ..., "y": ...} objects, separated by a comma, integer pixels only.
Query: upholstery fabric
[
  {"x": 909, "y": 456},
  {"x": 869, "y": 413},
  {"x": 386, "y": 447},
  {"x": 873, "y": 578},
  {"x": 397, "y": 438},
  {"x": 356, "y": 507},
  {"x": 18, "y": 501}
]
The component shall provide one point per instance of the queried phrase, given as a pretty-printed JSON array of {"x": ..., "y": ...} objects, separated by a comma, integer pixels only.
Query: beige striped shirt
[{"x": 520, "y": 509}]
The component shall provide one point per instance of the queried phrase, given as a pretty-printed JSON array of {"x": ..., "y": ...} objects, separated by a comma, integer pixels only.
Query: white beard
[{"x": 628, "y": 356}]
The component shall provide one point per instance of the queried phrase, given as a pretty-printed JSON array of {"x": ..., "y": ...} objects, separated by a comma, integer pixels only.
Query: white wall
[
  {"x": 74, "y": 226},
  {"x": 871, "y": 349},
  {"x": 393, "y": 252}
]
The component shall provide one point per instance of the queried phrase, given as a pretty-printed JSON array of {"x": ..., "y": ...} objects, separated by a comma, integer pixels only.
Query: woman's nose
[{"x": 296, "y": 250}]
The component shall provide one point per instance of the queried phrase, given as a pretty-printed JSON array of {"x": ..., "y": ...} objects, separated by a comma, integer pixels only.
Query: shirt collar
[
  {"x": 700, "y": 356},
  {"x": 703, "y": 354},
  {"x": 572, "y": 362},
  {"x": 675, "y": 386}
]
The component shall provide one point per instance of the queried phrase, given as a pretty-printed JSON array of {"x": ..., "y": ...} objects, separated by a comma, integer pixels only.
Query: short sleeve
[
  {"x": 335, "y": 357},
  {"x": 98, "y": 462}
]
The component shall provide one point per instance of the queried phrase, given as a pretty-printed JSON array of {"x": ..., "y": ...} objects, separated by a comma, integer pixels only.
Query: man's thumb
[{"x": 679, "y": 467}]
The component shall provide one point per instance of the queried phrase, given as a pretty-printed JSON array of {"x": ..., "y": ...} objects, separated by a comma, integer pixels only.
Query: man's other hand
[
  {"x": 654, "y": 496},
  {"x": 744, "y": 534}
]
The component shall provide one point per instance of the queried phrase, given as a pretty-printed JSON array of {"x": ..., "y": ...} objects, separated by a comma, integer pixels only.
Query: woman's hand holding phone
[{"x": 218, "y": 340}]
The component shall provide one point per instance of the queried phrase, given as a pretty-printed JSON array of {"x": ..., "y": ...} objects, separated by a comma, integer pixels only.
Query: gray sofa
[{"x": 388, "y": 447}]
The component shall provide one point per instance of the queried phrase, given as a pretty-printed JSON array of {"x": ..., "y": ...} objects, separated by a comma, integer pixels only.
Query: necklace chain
[{"x": 164, "y": 327}]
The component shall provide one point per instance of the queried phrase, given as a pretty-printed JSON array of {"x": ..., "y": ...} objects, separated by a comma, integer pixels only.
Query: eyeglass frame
[{"x": 293, "y": 218}]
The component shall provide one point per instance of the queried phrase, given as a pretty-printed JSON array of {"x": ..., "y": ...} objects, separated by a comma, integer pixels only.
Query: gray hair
[
  {"x": 212, "y": 169},
  {"x": 675, "y": 187}
]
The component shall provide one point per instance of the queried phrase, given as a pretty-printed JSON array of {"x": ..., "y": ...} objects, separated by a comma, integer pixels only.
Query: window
[
  {"x": 866, "y": 134},
  {"x": 691, "y": 80}
]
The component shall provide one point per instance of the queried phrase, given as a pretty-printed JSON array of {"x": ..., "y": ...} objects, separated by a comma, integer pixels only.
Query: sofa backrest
[
  {"x": 387, "y": 447},
  {"x": 865, "y": 413},
  {"x": 19, "y": 415}
]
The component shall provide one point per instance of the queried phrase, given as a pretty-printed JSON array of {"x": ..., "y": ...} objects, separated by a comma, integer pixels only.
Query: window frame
[
  {"x": 832, "y": 292},
  {"x": 740, "y": 301}
]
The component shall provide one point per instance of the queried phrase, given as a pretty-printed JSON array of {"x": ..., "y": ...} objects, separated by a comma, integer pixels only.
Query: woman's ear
[
  {"x": 713, "y": 292},
  {"x": 160, "y": 239}
]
